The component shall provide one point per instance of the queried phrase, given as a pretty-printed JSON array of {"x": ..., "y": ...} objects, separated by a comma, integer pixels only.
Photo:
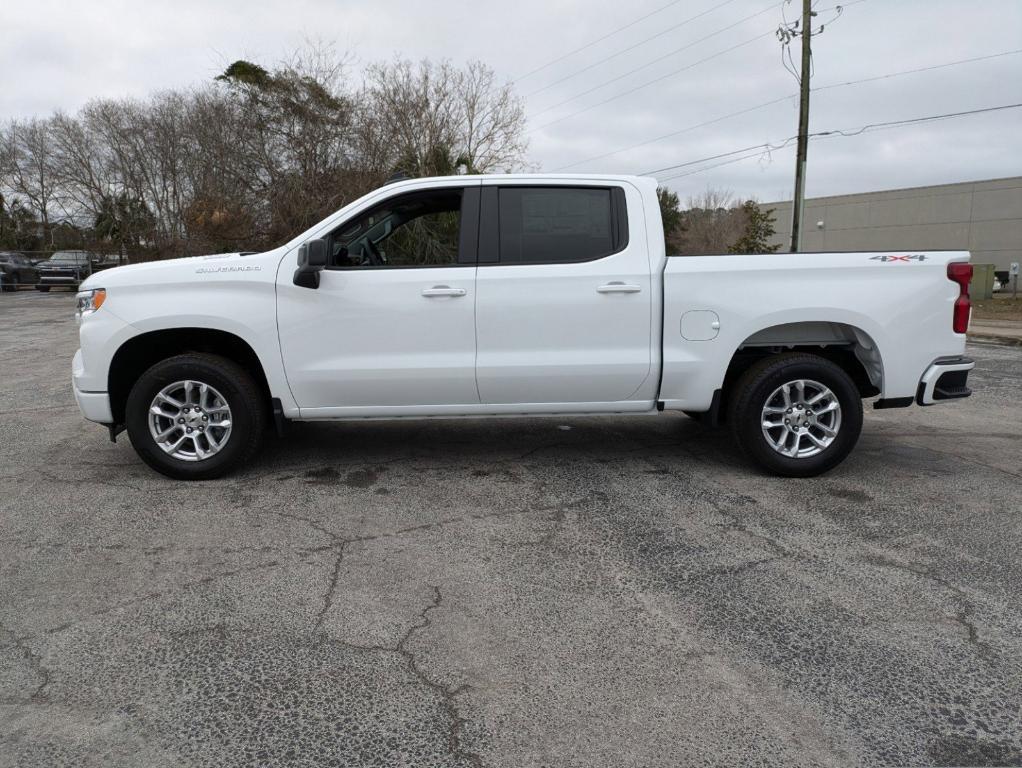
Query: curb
[{"x": 1007, "y": 341}]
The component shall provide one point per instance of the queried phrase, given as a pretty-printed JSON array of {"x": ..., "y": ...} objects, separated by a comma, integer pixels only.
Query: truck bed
[{"x": 895, "y": 308}]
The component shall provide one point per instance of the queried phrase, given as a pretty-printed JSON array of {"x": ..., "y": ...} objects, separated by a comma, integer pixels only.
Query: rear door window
[{"x": 549, "y": 225}]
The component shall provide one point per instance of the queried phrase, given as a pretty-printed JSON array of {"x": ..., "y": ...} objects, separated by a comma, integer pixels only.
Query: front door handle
[
  {"x": 618, "y": 287},
  {"x": 442, "y": 290}
]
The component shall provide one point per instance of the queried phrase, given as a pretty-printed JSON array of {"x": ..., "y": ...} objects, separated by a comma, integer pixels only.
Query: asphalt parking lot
[{"x": 609, "y": 592}]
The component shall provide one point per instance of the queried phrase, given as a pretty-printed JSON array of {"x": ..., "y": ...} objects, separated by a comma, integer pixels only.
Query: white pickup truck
[{"x": 514, "y": 295}]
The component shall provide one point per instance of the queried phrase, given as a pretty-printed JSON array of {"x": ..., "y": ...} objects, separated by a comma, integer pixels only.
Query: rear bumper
[{"x": 945, "y": 379}]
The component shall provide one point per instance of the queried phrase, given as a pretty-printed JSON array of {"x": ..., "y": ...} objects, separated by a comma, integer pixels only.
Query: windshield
[{"x": 69, "y": 257}]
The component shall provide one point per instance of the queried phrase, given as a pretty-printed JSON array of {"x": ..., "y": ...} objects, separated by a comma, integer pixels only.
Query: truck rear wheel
[
  {"x": 795, "y": 414},
  {"x": 195, "y": 416}
]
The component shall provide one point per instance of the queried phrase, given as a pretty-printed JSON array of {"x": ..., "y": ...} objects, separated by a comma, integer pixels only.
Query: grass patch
[{"x": 1003, "y": 308}]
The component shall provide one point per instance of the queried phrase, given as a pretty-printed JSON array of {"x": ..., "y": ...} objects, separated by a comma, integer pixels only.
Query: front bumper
[
  {"x": 95, "y": 406},
  {"x": 49, "y": 279},
  {"x": 945, "y": 379}
]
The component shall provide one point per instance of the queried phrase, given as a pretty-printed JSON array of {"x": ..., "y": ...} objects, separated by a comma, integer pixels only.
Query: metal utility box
[{"x": 982, "y": 285}]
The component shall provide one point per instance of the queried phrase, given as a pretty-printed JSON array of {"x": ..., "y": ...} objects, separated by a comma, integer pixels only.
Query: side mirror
[{"x": 311, "y": 260}]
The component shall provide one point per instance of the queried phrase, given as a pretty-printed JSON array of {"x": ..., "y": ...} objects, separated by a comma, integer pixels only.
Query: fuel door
[{"x": 700, "y": 325}]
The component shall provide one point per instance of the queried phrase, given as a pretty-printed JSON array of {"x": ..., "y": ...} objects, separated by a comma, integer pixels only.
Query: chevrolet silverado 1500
[{"x": 514, "y": 295}]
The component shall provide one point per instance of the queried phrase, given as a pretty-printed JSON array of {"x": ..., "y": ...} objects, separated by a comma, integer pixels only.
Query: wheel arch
[
  {"x": 848, "y": 346},
  {"x": 139, "y": 353}
]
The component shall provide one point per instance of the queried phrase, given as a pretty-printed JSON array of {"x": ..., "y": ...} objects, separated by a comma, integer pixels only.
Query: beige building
[{"x": 984, "y": 217}]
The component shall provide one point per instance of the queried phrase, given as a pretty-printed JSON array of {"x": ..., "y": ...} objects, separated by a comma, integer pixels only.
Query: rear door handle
[
  {"x": 442, "y": 290},
  {"x": 618, "y": 287}
]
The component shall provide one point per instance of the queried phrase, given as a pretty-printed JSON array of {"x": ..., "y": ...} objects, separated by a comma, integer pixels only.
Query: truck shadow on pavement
[{"x": 320, "y": 453}]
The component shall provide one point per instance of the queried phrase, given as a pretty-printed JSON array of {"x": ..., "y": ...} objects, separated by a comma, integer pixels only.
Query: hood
[{"x": 189, "y": 269}]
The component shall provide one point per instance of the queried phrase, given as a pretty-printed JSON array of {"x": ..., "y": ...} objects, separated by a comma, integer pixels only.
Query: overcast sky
[{"x": 58, "y": 55}]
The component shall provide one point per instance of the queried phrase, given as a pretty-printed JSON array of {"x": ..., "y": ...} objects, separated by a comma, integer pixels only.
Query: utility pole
[{"x": 802, "y": 150}]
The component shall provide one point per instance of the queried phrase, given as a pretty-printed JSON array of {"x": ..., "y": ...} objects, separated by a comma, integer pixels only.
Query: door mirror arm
[{"x": 311, "y": 261}]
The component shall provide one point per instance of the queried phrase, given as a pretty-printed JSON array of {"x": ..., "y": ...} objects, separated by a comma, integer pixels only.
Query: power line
[
  {"x": 594, "y": 42},
  {"x": 654, "y": 61},
  {"x": 915, "y": 120},
  {"x": 770, "y": 147},
  {"x": 651, "y": 82},
  {"x": 678, "y": 132},
  {"x": 765, "y": 145},
  {"x": 725, "y": 162},
  {"x": 760, "y": 152},
  {"x": 920, "y": 69},
  {"x": 789, "y": 30},
  {"x": 631, "y": 24},
  {"x": 839, "y": 5},
  {"x": 630, "y": 48},
  {"x": 785, "y": 98},
  {"x": 669, "y": 74}
]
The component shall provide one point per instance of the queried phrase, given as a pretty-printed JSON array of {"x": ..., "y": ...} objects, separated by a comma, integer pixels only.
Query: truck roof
[{"x": 535, "y": 177}]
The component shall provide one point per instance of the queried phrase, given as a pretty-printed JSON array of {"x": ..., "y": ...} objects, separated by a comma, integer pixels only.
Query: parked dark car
[
  {"x": 67, "y": 268},
  {"x": 15, "y": 270}
]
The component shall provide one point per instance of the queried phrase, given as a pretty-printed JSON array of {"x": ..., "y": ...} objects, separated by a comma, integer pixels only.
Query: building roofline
[{"x": 896, "y": 189}]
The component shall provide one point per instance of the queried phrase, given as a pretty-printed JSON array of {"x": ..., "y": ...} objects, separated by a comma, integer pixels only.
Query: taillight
[{"x": 961, "y": 273}]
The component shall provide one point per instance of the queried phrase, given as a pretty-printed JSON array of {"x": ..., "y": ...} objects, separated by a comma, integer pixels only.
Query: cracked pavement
[{"x": 526, "y": 592}]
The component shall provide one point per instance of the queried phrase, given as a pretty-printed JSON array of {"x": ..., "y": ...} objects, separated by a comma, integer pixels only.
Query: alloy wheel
[
  {"x": 190, "y": 420},
  {"x": 801, "y": 418}
]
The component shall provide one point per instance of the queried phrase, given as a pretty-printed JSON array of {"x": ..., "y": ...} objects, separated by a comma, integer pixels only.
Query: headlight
[{"x": 89, "y": 301}]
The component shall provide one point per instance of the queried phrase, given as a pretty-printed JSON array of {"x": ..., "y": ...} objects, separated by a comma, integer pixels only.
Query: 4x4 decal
[{"x": 906, "y": 257}]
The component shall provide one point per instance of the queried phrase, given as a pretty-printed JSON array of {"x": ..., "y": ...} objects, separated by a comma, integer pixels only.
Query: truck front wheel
[
  {"x": 796, "y": 415},
  {"x": 195, "y": 416}
]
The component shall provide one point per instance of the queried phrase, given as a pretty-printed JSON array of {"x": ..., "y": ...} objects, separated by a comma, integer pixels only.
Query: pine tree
[
  {"x": 673, "y": 218},
  {"x": 759, "y": 228}
]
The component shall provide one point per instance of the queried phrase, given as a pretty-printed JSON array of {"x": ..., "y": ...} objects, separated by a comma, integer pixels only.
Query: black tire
[
  {"x": 43, "y": 288},
  {"x": 752, "y": 391},
  {"x": 243, "y": 395}
]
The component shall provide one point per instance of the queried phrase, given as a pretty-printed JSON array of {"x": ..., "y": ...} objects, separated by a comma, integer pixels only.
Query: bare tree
[
  {"x": 256, "y": 156},
  {"x": 82, "y": 172},
  {"x": 710, "y": 223},
  {"x": 716, "y": 222},
  {"x": 491, "y": 120},
  {"x": 28, "y": 167},
  {"x": 443, "y": 118}
]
